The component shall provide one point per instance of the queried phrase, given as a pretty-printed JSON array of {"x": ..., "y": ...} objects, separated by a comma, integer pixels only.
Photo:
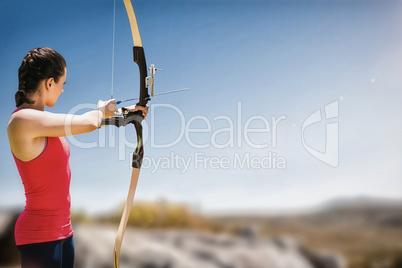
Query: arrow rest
[{"x": 149, "y": 80}]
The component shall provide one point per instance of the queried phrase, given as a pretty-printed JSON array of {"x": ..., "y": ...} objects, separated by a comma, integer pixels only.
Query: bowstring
[
  {"x": 111, "y": 93},
  {"x": 114, "y": 30}
]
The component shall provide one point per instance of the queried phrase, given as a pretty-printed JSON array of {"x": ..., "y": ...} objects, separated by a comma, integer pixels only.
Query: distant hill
[
  {"x": 363, "y": 202},
  {"x": 359, "y": 211}
]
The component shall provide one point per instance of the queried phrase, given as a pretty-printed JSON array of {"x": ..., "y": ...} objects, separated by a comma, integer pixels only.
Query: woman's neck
[{"x": 38, "y": 103}]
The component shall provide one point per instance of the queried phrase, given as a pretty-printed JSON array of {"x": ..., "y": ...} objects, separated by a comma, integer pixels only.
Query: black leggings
[{"x": 54, "y": 254}]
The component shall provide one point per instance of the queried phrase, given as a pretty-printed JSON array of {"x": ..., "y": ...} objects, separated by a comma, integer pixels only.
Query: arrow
[{"x": 159, "y": 94}]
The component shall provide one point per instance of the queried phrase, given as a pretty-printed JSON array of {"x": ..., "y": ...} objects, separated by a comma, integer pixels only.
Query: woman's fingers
[
  {"x": 107, "y": 107},
  {"x": 134, "y": 108}
]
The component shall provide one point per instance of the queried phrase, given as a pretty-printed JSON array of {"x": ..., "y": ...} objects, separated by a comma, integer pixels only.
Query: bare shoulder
[
  {"x": 28, "y": 124},
  {"x": 26, "y": 114},
  {"x": 23, "y": 119},
  {"x": 24, "y": 142}
]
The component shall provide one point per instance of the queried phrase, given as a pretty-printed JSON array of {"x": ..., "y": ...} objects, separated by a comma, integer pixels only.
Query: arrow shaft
[{"x": 159, "y": 94}]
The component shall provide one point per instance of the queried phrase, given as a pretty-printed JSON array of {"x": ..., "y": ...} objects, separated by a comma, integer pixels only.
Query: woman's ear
[{"x": 49, "y": 83}]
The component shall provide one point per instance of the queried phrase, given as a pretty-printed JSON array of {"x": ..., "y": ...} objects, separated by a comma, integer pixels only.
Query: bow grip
[
  {"x": 124, "y": 119},
  {"x": 138, "y": 154}
]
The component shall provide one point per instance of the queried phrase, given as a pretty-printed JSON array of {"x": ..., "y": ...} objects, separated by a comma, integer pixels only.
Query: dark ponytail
[{"x": 39, "y": 64}]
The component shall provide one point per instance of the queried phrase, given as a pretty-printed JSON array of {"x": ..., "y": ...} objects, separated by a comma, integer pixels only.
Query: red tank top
[{"x": 46, "y": 180}]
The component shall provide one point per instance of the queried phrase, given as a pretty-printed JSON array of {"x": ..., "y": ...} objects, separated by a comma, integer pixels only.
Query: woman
[{"x": 43, "y": 231}]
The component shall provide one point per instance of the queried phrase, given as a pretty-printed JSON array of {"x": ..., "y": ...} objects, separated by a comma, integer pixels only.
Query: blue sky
[{"x": 281, "y": 59}]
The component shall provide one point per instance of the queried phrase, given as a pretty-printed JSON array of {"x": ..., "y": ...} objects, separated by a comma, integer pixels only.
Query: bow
[{"x": 127, "y": 117}]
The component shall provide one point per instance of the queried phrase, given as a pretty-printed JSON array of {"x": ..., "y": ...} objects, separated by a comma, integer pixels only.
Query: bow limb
[
  {"x": 138, "y": 52},
  {"x": 125, "y": 216},
  {"x": 137, "y": 161}
]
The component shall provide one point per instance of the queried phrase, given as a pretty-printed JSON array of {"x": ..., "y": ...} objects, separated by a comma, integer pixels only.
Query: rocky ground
[
  {"x": 177, "y": 249},
  {"x": 192, "y": 249}
]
